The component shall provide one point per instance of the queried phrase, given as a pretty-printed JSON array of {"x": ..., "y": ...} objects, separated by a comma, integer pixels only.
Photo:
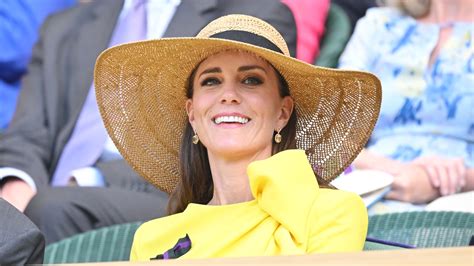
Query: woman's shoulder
[
  {"x": 159, "y": 235},
  {"x": 336, "y": 196},
  {"x": 338, "y": 222},
  {"x": 161, "y": 224},
  {"x": 339, "y": 203}
]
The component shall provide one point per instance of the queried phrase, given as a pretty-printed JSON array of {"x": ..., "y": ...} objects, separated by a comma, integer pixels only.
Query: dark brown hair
[{"x": 195, "y": 184}]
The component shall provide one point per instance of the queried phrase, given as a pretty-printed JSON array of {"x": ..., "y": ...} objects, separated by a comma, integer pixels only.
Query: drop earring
[
  {"x": 277, "y": 137},
  {"x": 195, "y": 138}
]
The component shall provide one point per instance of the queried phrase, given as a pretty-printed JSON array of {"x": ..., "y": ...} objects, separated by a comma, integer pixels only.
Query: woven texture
[
  {"x": 337, "y": 33},
  {"x": 106, "y": 244},
  {"x": 424, "y": 229},
  {"x": 141, "y": 95}
]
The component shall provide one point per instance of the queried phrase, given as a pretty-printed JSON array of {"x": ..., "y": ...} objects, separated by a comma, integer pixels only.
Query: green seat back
[
  {"x": 420, "y": 229},
  {"x": 112, "y": 244},
  {"x": 105, "y": 244},
  {"x": 337, "y": 33},
  {"x": 424, "y": 229},
  {"x": 378, "y": 246}
]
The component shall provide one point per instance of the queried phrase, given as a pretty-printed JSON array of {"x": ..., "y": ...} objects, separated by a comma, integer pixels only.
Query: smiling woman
[
  {"x": 260, "y": 136},
  {"x": 236, "y": 102},
  {"x": 242, "y": 88}
]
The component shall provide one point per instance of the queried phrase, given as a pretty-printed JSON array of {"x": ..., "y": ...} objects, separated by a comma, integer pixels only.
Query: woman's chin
[
  {"x": 234, "y": 149},
  {"x": 228, "y": 148}
]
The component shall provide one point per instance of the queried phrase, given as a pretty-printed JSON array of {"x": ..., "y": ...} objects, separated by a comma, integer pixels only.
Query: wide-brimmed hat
[{"x": 140, "y": 90}]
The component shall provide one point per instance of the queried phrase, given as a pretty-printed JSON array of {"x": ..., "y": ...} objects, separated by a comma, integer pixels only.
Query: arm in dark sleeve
[
  {"x": 118, "y": 173},
  {"x": 21, "y": 241},
  {"x": 27, "y": 143}
]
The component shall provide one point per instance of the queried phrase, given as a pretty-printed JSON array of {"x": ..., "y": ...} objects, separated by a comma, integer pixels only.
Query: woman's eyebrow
[
  {"x": 211, "y": 70},
  {"x": 251, "y": 67}
]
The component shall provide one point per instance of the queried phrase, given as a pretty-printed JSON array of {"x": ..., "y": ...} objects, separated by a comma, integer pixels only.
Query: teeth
[{"x": 231, "y": 119}]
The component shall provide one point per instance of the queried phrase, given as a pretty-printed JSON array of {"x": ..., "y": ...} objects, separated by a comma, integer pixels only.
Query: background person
[{"x": 423, "y": 53}]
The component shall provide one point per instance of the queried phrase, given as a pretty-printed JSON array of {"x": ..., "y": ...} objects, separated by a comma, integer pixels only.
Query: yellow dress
[{"x": 289, "y": 215}]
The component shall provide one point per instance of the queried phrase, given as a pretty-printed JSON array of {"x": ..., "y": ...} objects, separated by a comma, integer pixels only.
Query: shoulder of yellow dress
[
  {"x": 339, "y": 197},
  {"x": 158, "y": 222}
]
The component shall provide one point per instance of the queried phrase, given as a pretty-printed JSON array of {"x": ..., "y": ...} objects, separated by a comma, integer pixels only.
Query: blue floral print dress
[{"x": 426, "y": 109}]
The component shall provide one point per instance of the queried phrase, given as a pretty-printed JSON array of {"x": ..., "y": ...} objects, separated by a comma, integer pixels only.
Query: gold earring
[
  {"x": 278, "y": 137},
  {"x": 195, "y": 139}
]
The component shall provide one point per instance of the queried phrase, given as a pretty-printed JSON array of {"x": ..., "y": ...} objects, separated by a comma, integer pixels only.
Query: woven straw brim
[{"x": 140, "y": 89}]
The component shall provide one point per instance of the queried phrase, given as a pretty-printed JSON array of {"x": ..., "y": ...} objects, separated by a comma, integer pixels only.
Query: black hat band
[{"x": 247, "y": 37}]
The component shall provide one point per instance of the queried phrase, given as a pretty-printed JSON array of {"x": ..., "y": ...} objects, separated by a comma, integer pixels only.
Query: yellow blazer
[{"x": 289, "y": 215}]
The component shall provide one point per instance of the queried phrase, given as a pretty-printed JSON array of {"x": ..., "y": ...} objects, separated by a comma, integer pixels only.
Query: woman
[
  {"x": 423, "y": 53},
  {"x": 237, "y": 105}
]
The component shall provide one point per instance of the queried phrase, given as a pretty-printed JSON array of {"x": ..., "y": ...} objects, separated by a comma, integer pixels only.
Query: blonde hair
[{"x": 414, "y": 8}]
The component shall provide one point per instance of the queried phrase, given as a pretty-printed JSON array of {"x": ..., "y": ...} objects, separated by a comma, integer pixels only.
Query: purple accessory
[
  {"x": 349, "y": 169},
  {"x": 182, "y": 247}
]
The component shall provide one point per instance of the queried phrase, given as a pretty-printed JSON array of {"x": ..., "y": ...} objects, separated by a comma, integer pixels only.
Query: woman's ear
[
  {"x": 190, "y": 111},
  {"x": 286, "y": 111}
]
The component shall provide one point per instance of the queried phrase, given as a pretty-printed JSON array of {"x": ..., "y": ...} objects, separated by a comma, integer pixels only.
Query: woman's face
[{"x": 236, "y": 105}]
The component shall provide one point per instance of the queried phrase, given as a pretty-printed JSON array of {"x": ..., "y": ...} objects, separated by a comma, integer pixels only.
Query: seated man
[{"x": 57, "y": 139}]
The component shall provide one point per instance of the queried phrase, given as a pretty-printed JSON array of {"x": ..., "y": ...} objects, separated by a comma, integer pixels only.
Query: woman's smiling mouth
[{"x": 230, "y": 119}]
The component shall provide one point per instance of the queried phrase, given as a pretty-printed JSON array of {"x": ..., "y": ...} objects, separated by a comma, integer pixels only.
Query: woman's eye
[
  {"x": 252, "y": 81},
  {"x": 210, "y": 82}
]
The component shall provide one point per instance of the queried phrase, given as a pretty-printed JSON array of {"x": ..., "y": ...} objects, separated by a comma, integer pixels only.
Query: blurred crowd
[{"x": 59, "y": 167}]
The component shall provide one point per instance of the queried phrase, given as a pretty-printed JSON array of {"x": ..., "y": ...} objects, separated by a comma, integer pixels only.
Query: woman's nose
[{"x": 230, "y": 94}]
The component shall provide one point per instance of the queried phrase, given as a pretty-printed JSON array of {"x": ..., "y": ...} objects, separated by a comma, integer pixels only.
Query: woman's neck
[{"x": 231, "y": 182}]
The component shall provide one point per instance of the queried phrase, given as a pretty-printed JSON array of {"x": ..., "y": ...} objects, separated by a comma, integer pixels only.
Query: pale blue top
[{"x": 426, "y": 110}]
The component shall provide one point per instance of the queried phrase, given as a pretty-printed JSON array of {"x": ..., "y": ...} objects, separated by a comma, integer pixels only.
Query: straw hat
[{"x": 140, "y": 89}]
